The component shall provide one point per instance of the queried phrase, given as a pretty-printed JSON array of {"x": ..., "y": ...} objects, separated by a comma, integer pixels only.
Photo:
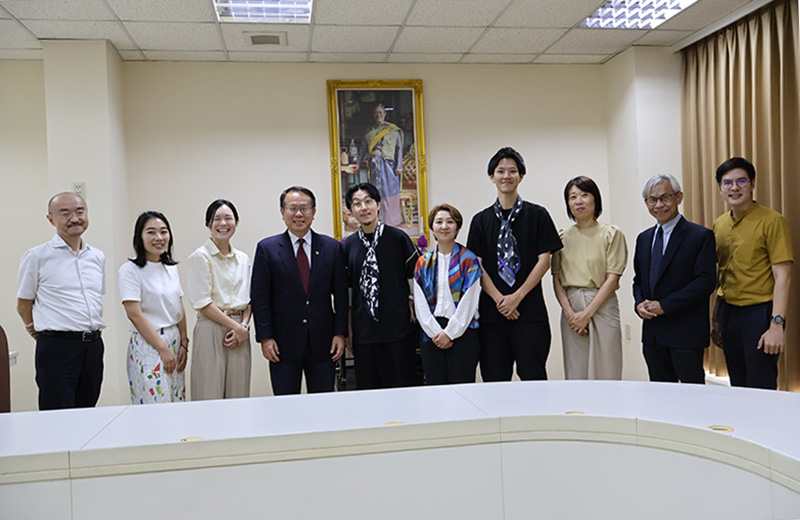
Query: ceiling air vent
[{"x": 268, "y": 38}]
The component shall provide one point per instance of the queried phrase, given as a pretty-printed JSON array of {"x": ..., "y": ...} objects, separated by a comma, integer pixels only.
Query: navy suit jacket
[
  {"x": 683, "y": 287},
  {"x": 281, "y": 308}
]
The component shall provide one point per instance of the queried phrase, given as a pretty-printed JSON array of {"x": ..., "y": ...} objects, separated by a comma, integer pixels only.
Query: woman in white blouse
[
  {"x": 446, "y": 292},
  {"x": 151, "y": 293},
  {"x": 219, "y": 289}
]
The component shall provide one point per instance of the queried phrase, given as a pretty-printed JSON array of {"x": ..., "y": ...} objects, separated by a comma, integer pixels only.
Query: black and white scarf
[
  {"x": 508, "y": 262},
  {"x": 368, "y": 282}
]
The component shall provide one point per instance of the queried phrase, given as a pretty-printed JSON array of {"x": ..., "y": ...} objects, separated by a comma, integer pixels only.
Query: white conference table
[{"x": 505, "y": 440}]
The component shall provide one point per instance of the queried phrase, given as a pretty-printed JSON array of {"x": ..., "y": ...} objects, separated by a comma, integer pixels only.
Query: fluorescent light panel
[
  {"x": 635, "y": 14},
  {"x": 264, "y": 11}
]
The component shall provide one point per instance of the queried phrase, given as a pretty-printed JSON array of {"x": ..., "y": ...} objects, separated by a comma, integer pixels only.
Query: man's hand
[
  {"x": 507, "y": 305},
  {"x": 442, "y": 341},
  {"x": 29, "y": 328},
  {"x": 772, "y": 341},
  {"x": 653, "y": 307},
  {"x": 337, "y": 347},
  {"x": 643, "y": 311},
  {"x": 270, "y": 350}
]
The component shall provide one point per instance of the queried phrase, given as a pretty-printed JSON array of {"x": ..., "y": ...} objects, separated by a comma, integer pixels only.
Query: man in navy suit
[
  {"x": 674, "y": 276},
  {"x": 299, "y": 299}
]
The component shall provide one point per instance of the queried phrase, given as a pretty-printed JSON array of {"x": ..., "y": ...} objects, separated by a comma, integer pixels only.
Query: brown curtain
[{"x": 741, "y": 98}]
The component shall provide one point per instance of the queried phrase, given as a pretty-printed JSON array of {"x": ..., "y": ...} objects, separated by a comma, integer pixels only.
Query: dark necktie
[
  {"x": 302, "y": 264},
  {"x": 655, "y": 259}
]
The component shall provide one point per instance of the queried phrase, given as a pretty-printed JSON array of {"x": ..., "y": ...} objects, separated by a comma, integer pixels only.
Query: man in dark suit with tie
[
  {"x": 674, "y": 276},
  {"x": 299, "y": 298}
]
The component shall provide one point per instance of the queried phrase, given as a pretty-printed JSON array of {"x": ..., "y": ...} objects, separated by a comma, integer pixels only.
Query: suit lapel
[
  {"x": 317, "y": 260},
  {"x": 674, "y": 243},
  {"x": 647, "y": 242},
  {"x": 290, "y": 261}
]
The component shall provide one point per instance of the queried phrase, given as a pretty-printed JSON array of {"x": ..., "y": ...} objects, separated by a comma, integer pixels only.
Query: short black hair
[
  {"x": 586, "y": 184},
  {"x": 506, "y": 153},
  {"x": 299, "y": 189},
  {"x": 138, "y": 243},
  {"x": 732, "y": 164},
  {"x": 214, "y": 206},
  {"x": 374, "y": 194}
]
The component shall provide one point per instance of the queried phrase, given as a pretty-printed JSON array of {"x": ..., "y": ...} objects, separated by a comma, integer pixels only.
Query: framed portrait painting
[{"x": 377, "y": 136}]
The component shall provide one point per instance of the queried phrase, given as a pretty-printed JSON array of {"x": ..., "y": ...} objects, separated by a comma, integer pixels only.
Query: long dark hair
[{"x": 138, "y": 243}]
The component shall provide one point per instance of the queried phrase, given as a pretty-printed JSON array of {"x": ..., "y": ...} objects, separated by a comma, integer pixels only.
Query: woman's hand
[
  {"x": 183, "y": 358},
  {"x": 579, "y": 322},
  {"x": 235, "y": 337},
  {"x": 167, "y": 358},
  {"x": 442, "y": 341}
]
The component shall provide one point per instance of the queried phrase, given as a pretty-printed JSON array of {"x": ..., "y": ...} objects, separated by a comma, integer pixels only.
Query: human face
[
  {"x": 379, "y": 115},
  {"x": 298, "y": 213},
  {"x": 69, "y": 214},
  {"x": 740, "y": 192},
  {"x": 364, "y": 208},
  {"x": 444, "y": 227},
  {"x": 581, "y": 204},
  {"x": 663, "y": 202},
  {"x": 223, "y": 224},
  {"x": 155, "y": 237},
  {"x": 506, "y": 176}
]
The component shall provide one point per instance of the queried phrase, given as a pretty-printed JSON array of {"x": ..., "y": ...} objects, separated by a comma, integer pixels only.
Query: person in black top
[
  {"x": 513, "y": 239},
  {"x": 380, "y": 261}
]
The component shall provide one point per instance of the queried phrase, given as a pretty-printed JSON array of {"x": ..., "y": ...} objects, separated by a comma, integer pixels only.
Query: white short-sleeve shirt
[{"x": 157, "y": 287}]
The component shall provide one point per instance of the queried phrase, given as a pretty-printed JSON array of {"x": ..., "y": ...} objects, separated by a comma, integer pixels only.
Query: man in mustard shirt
[{"x": 754, "y": 250}]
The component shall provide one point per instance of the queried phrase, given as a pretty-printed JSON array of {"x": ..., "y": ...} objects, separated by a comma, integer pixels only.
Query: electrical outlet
[
  {"x": 79, "y": 188},
  {"x": 627, "y": 331}
]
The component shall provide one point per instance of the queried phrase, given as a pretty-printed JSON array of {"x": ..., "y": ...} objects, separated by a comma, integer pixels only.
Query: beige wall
[{"x": 194, "y": 132}]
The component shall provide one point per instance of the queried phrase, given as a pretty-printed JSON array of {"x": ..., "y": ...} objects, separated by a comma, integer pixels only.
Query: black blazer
[
  {"x": 281, "y": 308},
  {"x": 687, "y": 279}
]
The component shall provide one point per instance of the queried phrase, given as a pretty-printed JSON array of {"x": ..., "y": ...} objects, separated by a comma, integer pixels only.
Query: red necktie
[{"x": 302, "y": 264}]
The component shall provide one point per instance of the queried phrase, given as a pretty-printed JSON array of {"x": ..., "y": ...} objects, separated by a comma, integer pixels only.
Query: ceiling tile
[
  {"x": 75, "y": 30},
  {"x": 132, "y": 55},
  {"x": 271, "y": 57},
  {"x": 424, "y": 58},
  {"x": 572, "y": 58},
  {"x": 595, "y": 41},
  {"x": 21, "y": 54},
  {"x": 360, "y": 12},
  {"x": 237, "y": 37},
  {"x": 459, "y": 13},
  {"x": 345, "y": 57},
  {"x": 437, "y": 39},
  {"x": 498, "y": 58},
  {"x": 15, "y": 36},
  {"x": 547, "y": 13},
  {"x": 184, "y": 56},
  {"x": 164, "y": 10},
  {"x": 701, "y": 14},
  {"x": 663, "y": 37},
  {"x": 175, "y": 36},
  {"x": 329, "y": 38},
  {"x": 58, "y": 9},
  {"x": 519, "y": 41}
]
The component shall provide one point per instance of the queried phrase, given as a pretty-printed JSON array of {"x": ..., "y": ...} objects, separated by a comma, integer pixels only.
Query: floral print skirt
[{"x": 149, "y": 382}]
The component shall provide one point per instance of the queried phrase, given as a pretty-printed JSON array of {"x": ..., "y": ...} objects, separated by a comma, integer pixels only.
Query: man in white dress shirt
[{"x": 59, "y": 298}]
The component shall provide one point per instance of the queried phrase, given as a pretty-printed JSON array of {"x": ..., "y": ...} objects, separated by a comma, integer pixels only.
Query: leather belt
[{"x": 85, "y": 336}]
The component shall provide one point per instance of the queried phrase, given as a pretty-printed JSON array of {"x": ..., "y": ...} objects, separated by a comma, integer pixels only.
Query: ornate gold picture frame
[{"x": 377, "y": 136}]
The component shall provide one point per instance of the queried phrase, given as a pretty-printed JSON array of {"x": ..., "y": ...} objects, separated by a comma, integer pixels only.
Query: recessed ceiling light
[
  {"x": 635, "y": 14},
  {"x": 264, "y": 11}
]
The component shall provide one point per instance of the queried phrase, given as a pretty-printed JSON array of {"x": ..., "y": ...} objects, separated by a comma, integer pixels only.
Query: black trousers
[
  {"x": 454, "y": 365},
  {"x": 741, "y": 328},
  {"x": 69, "y": 372},
  {"x": 385, "y": 365},
  {"x": 502, "y": 344},
  {"x": 287, "y": 376},
  {"x": 673, "y": 365}
]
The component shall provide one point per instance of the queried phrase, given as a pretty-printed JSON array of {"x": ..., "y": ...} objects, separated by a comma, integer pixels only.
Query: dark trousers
[
  {"x": 502, "y": 344},
  {"x": 673, "y": 365},
  {"x": 69, "y": 372},
  {"x": 385, "y": 365},
  {"x": 741, "y": 329},
  {"x": 287, "y": 376},
  {"x": 454, "y": 365}
]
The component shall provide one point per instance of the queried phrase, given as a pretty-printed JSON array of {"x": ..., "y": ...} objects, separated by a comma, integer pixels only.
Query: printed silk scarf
[
  {"x": 368, "y": 282},
  {"x": 507, "y": 257}
]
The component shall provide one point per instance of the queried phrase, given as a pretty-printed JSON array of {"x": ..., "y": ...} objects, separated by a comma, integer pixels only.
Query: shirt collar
[
  {"x": 669, "y": 226},
  {"x": 739, "y": 219},
  {"x": 214, "y": 250},
  {"x": 294, "y": 238},
  {"x": 57, "y": 241}
]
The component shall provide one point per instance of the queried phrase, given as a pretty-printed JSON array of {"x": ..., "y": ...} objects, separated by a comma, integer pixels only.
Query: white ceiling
[{"x": 346, "y": 31}]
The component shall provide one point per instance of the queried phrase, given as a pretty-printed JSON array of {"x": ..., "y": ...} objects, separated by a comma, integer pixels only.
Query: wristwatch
[{"x": 777, "y": 318}]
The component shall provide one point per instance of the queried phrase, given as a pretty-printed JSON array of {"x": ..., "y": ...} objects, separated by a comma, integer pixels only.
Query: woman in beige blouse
[
  {"x": 586, "y": 276},
  {"x": 219, "y": 289}
]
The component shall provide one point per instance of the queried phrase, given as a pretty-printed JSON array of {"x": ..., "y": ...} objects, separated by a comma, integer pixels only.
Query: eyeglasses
[
  {"x": 66, "y": 214},
  {"x": 741, "y": 182},
  {"x": 358, "y": 204},
  {"x": 298, "y": 209},
  {"x": 665, "y": 198}
]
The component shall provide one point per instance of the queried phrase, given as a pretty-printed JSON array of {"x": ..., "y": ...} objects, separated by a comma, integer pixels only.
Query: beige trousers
[
  {"x": 598, "y": 355},
  {"x": 218, "y": 372}
]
